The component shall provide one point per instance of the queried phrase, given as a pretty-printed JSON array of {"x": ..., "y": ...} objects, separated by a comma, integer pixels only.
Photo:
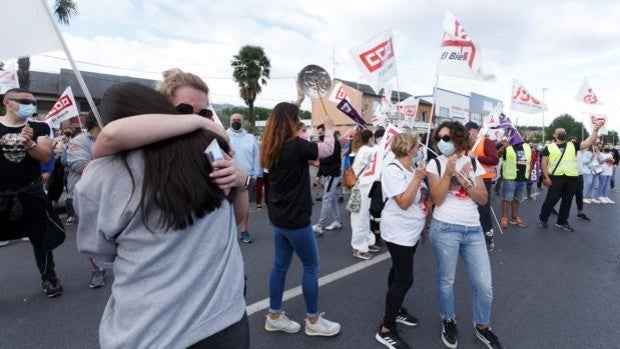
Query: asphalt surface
[{"x": 552, "y": 289}]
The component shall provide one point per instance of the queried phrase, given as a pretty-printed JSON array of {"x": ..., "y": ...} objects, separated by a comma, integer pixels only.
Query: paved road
[{"x": 552, "y": 289}]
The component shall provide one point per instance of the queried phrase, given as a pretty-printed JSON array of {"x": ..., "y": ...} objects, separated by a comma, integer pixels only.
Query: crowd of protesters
[{"x": 168, "y": 219}]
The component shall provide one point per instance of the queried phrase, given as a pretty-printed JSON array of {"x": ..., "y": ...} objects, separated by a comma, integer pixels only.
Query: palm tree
[
  {"x": 63, "y": 11},
  {"x": 251, "y": 68}
]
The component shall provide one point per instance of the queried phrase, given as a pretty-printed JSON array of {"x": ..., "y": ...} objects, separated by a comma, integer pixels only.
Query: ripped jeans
[{"x": 449, "y": 241}]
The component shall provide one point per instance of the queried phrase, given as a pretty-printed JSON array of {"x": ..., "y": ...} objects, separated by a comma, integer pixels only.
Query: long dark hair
[
  {"x": 281, "y": 127},
  {"x": 176, "y": 172}
]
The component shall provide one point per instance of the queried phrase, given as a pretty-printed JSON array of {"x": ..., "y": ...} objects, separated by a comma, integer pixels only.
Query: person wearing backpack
[{"x": 404, "y": 218}]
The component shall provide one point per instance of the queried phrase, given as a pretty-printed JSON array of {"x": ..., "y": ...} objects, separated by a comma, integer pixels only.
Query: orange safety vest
[{"x": 489, "y": 170}]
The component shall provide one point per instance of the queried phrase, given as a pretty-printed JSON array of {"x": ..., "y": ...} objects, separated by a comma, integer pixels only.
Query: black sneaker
[
  {"x": 391, "y": 340},
  {"x": 583, "y": 217},
  {"x": 565, "y": 226},
  {"x": 488, "y": 338},
  {"x": 51, "y": 287},
  {"x": 449, "y": 333},
  {"x": 544, "y": 224},
  {"x": 488, "y": 238},
  {"x": 405, "y": 318}
]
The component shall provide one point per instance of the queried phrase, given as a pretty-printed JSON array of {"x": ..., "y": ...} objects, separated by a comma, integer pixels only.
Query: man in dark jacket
[{"x": 329, "y": 169}]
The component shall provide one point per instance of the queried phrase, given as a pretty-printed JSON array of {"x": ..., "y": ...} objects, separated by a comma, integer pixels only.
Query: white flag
[
  {"x": 338, "y": 93},
  {"x": 601, "y": 121},
  {"x": 64, "y": 109},
  {"x": 378, "y": 117},
  {"x": 375, "y": 59},
  {"x": 460, "y": 56},
  {"x": 523, "y": 101},
  {"x": 28, "y": 29},
  {"x": 383, "y": 155},
  {"x": 586, "y": 94},
  {"x": 408, "y": 107},
  {"x": 8, "y": 80}
]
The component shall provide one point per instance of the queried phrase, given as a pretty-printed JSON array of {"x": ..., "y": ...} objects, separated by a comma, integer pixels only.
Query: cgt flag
[
  {"x": 408, "y": 107},
  {"x": 586, "y": 94},
  {"x": 8, "y": 80},
  {"x": 523, "y": 101},
  {"x": 346, "y": 107},
  {"x": 460, "y": 56},
  {"x": 514, "y": 137},
  {"x": 375, "y": 59},
  {"x": 338, "y": 93},
  {"x": 599, "y": 120},
  {"x": 31, "y": 29},
  {"x": 64, "y": 109}
]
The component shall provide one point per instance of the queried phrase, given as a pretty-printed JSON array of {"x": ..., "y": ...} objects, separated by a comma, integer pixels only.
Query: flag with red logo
[
  {"x": 376, "y": 60},
  {"x": 523, "y": 101},
  {"x": 408, "y": 107},
  {"x": 599, "y": 120},
  {"x": 338, "y": 93},
  {"x": 382, "y": 155},
  {"x": 586, "y": 94},
  {"x": 8, "y": 80},
  {"x": 64, "y": 109},
  {"x": 460, "y": 56},
  {"x": 379, "y": 117}
]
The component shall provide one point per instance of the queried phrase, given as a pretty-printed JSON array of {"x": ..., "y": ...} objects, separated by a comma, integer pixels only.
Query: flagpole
[
  {"x": 430, "y": 120},
  {"x": 76, "y": 71}
]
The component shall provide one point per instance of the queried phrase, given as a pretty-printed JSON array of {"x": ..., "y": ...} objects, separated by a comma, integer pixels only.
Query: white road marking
[{"x": 337, "y": 275}]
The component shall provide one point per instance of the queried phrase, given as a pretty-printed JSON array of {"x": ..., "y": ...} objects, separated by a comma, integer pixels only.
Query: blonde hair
[
  {"x": 175, "y": 78},
  {"x": 403, "y": 144}
]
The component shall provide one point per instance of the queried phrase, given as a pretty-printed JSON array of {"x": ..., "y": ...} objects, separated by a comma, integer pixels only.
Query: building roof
[
  {"x": 367, "y": 90},
  {"x": 55, "y": 84}
]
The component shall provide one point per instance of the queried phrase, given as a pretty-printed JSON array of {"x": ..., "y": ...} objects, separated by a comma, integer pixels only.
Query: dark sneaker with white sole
[
  {"x": 565, "y": 227},
  {"x": 488, "y": 338},
  {"x": 51, "y": 287},
  {"x": 391, "y": 340},
  {"x": 449, "y": 333},
  {"x": 405, "y": 318}
]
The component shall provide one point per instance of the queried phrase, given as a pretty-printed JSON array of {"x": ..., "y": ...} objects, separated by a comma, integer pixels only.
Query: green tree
[
  {"x": 573, "y": 128},
  {"x": 63, "y": 11},
  {"x": 611, "y": 137},
  {"x": 251, "y": 69}
]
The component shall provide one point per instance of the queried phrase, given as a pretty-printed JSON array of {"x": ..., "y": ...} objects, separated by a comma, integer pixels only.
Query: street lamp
[{"x": 543, "y": 123}]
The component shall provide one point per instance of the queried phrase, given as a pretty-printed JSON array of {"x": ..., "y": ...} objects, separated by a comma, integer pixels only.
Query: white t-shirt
[
  {"x": 398, "y": 226},
  {"x": 606, "y": 160},
  {"x": 458, "y": 207}
]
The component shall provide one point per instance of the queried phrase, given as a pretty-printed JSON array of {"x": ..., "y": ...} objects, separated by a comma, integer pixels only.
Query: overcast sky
[{"x": 550, "y": 44}]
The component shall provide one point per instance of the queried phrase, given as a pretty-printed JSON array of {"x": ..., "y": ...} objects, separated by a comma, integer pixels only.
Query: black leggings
[
  {"x": 400, "y": 280},
  {"x": 235, "y": 336}
]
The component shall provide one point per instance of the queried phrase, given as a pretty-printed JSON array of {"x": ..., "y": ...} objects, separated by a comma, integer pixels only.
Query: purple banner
[
  {"x": 514, "y": 137},
  {"x": 346, "y": 107}
]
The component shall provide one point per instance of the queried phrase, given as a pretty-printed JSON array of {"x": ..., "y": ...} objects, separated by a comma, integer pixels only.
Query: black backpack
[{"x": 377, "y": 203}]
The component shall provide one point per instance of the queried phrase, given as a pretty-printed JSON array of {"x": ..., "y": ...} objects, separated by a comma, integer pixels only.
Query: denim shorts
[{"x": 513, "y": 190}]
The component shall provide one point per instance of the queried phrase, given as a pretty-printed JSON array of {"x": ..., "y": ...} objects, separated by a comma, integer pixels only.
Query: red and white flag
[
  {"x": 599, "y": 120},
  {"x": 8, "y": 80},
  {"x": 64, "y": 109},
  {"x": 460, "y": 56},
  {"x": 383, "y": 155},
  {"x": 523, "y": 101},
  {"x": 376, "y": 60},
  {"x": 379, "y": 117},
  {"x": 338, "y": 93},
  {"x": 586, "y": 94},
  {"x": 408, "y": 107}
]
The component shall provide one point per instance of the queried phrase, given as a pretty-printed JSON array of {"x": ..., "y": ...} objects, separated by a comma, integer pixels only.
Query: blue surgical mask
[
  {"x": 446, "y": 148},
  {"x": 419, "y": 156},
  {"x": 25, "y": 111}
]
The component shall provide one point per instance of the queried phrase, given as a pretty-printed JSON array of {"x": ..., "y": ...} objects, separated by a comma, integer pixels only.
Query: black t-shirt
[
  {"x": 521, "y": 161},
  {"x": 17, "y": 167},
  {"x": 290, "y": 203},
  {"x": 562, "y": 147}
]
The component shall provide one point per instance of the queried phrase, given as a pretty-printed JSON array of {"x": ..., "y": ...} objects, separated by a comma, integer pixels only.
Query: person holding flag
[
  {"x": 486, "y": 153},
  {"x": 560, "y": 174}
]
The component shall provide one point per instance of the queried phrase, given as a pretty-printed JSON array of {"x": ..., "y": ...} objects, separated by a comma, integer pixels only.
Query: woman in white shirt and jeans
[
  {"x": 457, "y": 188},
  {"x": 402, "y": 220}
]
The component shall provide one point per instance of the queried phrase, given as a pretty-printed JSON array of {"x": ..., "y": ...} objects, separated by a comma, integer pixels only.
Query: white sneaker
[
  {"x": 603, "y": 200},
  {"x": 4, "y": 243},
  {"x": 322, "y": 327},
  {"x": 362, "y": 255},
  {"x": 587, "y": 201},
  {"x": 594, "y": 201},
  {"x": 609, "y": 201},
  {"x": 282, "y": 323},
  {"x": 317, "y": 229},
  {"x": 334, "y": 225}
]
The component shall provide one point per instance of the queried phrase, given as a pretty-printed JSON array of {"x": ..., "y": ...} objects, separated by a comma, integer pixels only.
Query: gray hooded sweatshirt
[{"x": 171, "y": 289}]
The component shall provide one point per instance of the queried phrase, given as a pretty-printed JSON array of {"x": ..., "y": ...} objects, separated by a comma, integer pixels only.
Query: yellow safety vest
[
  {"x": 509, "y": 166},
  {"x": 568, "y": 166}
]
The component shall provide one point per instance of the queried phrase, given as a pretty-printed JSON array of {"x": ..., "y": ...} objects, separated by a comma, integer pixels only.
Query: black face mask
[
  {"x": 606, "y": 150},
  {"x": 236, "y": 125},
  {"x": 561, "y": 137}
]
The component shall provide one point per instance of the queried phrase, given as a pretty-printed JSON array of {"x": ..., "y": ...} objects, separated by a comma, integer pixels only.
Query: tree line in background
[{"x": 533, "y": 134}]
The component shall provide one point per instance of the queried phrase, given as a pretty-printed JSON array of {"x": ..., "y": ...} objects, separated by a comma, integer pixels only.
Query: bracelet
[
  {"x": 247, "y": 183},
  {"x": 32, "y": 146}
]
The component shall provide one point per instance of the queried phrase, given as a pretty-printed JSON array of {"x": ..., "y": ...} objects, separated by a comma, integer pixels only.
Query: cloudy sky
[{"x": 544, "y": 44}]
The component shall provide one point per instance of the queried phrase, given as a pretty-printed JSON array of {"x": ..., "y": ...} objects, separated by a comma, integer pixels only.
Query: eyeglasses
[
  {"x": 445, "y": 138},
  {"x": 25, "y": 101},
  {"x": 185, "y": 108}
]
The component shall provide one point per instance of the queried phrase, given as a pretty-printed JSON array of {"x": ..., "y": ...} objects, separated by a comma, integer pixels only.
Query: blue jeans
[
  {"x": 589, "y": 183},
  {"x": 603, "y": 185},
  {"x": 302, "y": 242},
  {"x": 449, "y": 241}
]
